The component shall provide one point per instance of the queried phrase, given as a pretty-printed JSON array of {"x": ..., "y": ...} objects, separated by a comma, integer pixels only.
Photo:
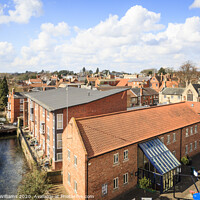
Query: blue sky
[{"x": 128, "y": 35}]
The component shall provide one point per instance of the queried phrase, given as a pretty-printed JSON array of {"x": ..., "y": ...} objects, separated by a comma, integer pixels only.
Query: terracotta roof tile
[
  {"x": 107, "y": 132},
  {"x": 123, "y": 82}
]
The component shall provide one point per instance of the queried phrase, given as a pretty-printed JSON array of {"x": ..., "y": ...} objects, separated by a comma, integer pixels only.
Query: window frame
[
  {"x": 116, "y": 155},
  {"x": 59, "y": 121},
  {"x": 58, "y": 155},
  {"x": 126, "y": 154},
  {"x": 115, "y": 183},
  {"x": 168, "y": 139},
  {"x": 125, "y": 178},
  {"x": 174, "y": 137},
  {"x": 59, "y": 140},
  {"x": 75, "y": 159}
]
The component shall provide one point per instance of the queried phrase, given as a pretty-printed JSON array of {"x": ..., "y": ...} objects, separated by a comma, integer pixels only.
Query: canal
[{"x": 12, "y": 166}]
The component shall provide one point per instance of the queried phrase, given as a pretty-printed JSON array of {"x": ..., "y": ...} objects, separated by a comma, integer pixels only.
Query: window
[
  {"x": 195, "y": 145},
  {"x": 43, "y": 112},
  {"x": 104, "y": 189},
  {"x": 75, "y": 161},
  {"x": 165, "y": 96},
  {"x": 116, "y": 158},
  {"x": 59, "y": 141},
  {"x": 59, "y": 121},
  {"x": 191, "y": 131},
  {"x": 75, "y": 186},
  {"x": 48, "y": 115},
  {"x": 172, "y": 96},
  {"x": 69, "y": 178},
  {"x": 186, "y": 132},
  {"x": 174, "y": 137},
  {"x": 68, "y": 154},
  {"x": 21, "y": 107},
  {"x": 126, "y": 154},
  {"x": 115, "y": 183},
  {"x": 162, "y": 139},
  {"x": 168, "y": 139},
  {"x": 195, "y": 131},
  {"x": 126, "y": 178},
  {"x": 190, "y": 147},
  {"x": 59, "y": 156},
  {"x": 21, "y": 100},
  {"x": 174, "y": 153},
  {"x": 42, "y": 128},
  {"x": 48, "y": 135},
  {"x": 186, "y": 149}
]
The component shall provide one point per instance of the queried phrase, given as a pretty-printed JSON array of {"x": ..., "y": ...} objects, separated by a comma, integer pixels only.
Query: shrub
[
  {"x": 185, "y": 160},
  {"x": 145, "y": 183},
  {"x": 33, "y": 185}
]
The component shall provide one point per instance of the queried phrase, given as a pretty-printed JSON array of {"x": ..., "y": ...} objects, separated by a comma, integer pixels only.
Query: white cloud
[
  {"x": 130, "y": 43},
  {"x": 23, "y": 11},
  {"x": 195, "y": 4}
]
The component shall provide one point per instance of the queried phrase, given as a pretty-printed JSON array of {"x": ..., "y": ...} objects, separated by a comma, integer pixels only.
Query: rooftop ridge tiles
[{"x": 126, "y": 111}]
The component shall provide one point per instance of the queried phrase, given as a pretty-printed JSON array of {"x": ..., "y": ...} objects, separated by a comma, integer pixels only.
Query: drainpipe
[
  {"x": 181, "y": 143},
  {"x": 87, "y": 180}
]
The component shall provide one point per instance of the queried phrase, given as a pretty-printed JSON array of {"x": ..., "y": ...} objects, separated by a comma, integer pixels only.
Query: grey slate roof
[
  {"x": 145, "y": 91},
  {"x": 139, "y": 79},
  {"x": 197, "y": 88},
  {"x": 60, "y": 98},
  {"x": 173, "y": 91},
  {"x": 19, "y": 95}
]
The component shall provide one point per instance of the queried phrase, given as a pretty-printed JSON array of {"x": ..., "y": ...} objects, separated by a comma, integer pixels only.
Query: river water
[{"x": 12, "y": 166}]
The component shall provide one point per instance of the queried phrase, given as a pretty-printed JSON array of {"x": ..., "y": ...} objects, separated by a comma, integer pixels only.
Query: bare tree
[{"x": 187, "y": 73}]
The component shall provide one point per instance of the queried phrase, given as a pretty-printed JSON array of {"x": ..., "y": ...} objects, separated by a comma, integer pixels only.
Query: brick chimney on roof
[{"x": 141, "y": 93}]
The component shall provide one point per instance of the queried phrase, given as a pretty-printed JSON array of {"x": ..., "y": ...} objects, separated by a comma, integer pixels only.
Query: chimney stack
[
  {"x": 13, "y": 91},
  {"x": 141, "y": 96}
]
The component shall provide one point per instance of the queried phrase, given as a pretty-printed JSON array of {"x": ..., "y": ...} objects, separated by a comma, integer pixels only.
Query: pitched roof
[
  {"x": 194, "y": 106},
  {"x": 108, "y": 132},
  {"x": 59, "y": 98},
  {"x": 139, "y": 79},
  {"x": 145, "y": 91},
  {"x": 173, "y": 91},
  {"x": 197, "y": 88},
  {"x": 123, "y": 82}
]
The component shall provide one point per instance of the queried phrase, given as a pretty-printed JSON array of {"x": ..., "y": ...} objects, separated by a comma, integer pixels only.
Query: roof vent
[{"x": 192, "y": 105}]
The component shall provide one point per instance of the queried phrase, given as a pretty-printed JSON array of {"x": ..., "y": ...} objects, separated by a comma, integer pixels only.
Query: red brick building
[
  {"x": 49, "y": 112},
  {"x": 140, "y": 82},
  {"x": 112, "y": 82},
  {"x": 103, "y": 154},
  {"x": 15, "y": 105}
]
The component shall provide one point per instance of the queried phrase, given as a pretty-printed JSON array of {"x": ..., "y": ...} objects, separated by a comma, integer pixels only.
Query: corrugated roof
[
  {"x": 108, "y": 132},
  {"x": 59, "y": 98},
  {"x": 159, "y": 155},
  {"x": 173, "y": 91}
]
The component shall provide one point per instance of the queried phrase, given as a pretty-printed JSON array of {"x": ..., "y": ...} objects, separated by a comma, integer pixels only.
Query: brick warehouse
[
  {"x": 49, "y": 111},
  {"x": 103, "y": 154}
]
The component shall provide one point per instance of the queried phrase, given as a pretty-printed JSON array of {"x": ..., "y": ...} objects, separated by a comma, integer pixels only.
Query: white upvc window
[
  {"x": 75, "y": 186},
  {"x": 168, "y": 139},
  {"x": 115, "y": 183},
  {"x": 48, "y": 134},
  {"x": 191, "y": 130},
  {"x": 126, "y": 154},
  {"x": 48, "y": 115},
  {"x": 42, "y": 128},
  {"x": 59, "y": 141},
  {"x": 186, "y": 149},
  {"x": 59, "y": 156},
  {"x": 68, "y": 154},
  {"x": 59, "y": 121},
  {"x": 43, "y": 112},
  {"x": 125, "y": 178},
  {"x": 174, "y": 137},
  {"x": 116, "y": 158},
  {"x": 186, "y": 132},
  {"x": 195, "y": 131},
  {"x": 190, "y": 147},
  {"x": 21, "y": 107},
  {"x": 22, "y": 101},
  {"x": 104, "y": 189},
  {"x": 75, "y": 161},
  {"x": 195, "y": 145},
  {"x": 69, "y": 178}
]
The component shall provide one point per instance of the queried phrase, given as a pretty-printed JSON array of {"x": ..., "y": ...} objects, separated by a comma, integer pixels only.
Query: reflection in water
[{"x": 12, "y": 166}]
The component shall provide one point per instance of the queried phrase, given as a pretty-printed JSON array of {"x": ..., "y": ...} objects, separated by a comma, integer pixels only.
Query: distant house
[
  {"x": 123, "y": 82},
  {"x": 140, "y": 82},
  {"x": 49, "y": 113},
  {"x": 171, "y": 95},
  {"x": 192, "y": 93},
  {"x": 15, "y": 105},
  {"x": 112, "y": 82},
  {"x": 142, "y": 96}
]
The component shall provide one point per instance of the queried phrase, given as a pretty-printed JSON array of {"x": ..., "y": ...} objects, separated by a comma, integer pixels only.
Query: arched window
[{"x": 189, "y": 95}]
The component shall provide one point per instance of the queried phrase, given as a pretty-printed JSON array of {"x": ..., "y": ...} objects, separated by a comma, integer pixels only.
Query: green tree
[
  {"x": 97, "y": 70},
  {"x": 4, "y": 92},
  {"x": 162, "y": 70},
  {"x": 34, "y": 184}
]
